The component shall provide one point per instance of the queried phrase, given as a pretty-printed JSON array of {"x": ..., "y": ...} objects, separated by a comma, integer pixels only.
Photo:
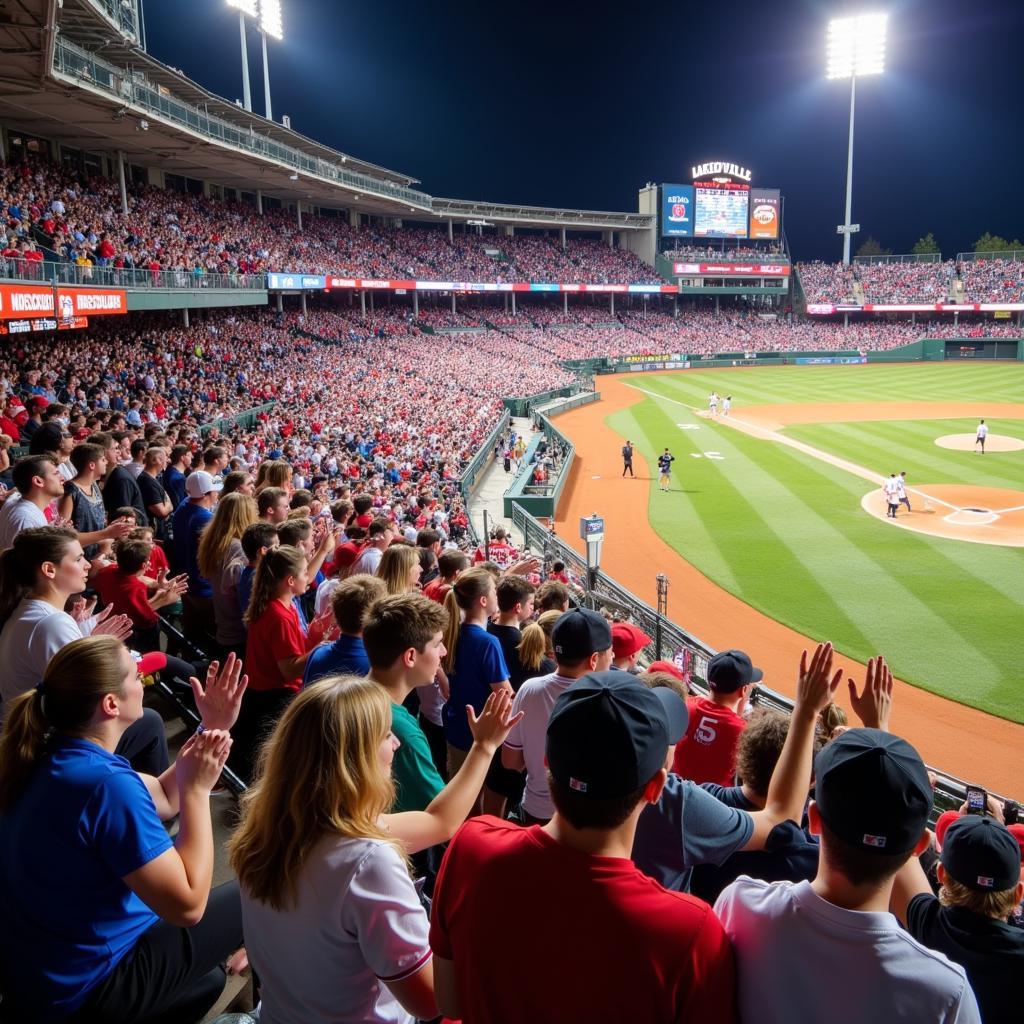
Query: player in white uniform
[
  {"x": 726, "y": 405},
  {"x": 901, "y": 490},
  {"x": 982, "y": 434},
  {"x": 891, "y": 488},
  {"x": 713, "y": 403}
]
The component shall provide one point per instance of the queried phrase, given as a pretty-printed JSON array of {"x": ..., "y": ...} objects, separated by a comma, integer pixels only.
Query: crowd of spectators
[
  {"x": 726, "y": 252},
  {"x": 983, "y": 280}
]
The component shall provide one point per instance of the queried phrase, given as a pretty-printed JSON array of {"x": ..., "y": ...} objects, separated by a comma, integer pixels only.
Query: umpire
[{"x": 627, "y": 458}]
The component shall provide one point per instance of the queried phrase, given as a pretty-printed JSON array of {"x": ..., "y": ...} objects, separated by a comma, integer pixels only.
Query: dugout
[{"x": 982, "y": 348}]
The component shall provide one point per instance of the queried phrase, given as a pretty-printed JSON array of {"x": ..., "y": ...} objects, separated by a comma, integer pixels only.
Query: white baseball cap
[{"x": 200, "y": 483}]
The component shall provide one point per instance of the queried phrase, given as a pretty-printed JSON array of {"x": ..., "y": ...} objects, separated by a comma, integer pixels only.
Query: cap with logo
[
  {"x": 608, "y": 735},
  {"x": 729, "y": 670},
  {"x": 200, "y": 483},
  {"x": 981, "y": 854},
  {"x": 872, "y": 791},
  {"x": 580, "y": 633},
  {"x": 627, "y": 639}
]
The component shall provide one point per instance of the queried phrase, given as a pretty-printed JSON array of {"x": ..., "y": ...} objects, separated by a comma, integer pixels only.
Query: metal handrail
[{"x": 52, "y": 272}]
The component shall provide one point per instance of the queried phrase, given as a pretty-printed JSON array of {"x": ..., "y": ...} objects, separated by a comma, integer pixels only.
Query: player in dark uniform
[
  {"x": 627, "y": 458},
  {"x": 665, "y": 461}
]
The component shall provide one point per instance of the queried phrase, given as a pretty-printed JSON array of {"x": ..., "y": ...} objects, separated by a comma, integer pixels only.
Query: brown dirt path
[{"x": 962, "y": 741}]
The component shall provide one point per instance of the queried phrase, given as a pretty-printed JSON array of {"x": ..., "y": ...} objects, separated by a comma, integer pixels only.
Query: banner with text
[
  {"x": 765, "y": 212},
  {"x": 677, "y": 211},
  {"x": 18, "y": 301}
]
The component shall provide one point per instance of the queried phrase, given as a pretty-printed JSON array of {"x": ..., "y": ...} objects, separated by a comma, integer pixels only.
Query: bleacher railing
[
  {"x": 907, "y": 257},
  {"x": 74, "y": 61},
  {"x": 1014, "y": 255},
  {"x": 50, "y": 272}
]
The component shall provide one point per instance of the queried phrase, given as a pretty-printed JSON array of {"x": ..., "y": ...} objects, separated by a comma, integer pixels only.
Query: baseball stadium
[{"x": 349, "y": 533}]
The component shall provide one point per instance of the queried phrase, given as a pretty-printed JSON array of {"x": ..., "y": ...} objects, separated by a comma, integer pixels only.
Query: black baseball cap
[
  {"x": 579, "y": 633},
  {"x": 729, "y": 670},
  {"x": 608, "y": 734},
  {"x": 872, "y": 791},
  {"x": 981, "y": 854}
]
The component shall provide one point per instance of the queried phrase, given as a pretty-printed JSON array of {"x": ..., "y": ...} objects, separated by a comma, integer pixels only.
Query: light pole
[
  {"x": 855, "y": 47},
  {"x": 270, "y": 25},
  {"x": 244, "y": 7}
]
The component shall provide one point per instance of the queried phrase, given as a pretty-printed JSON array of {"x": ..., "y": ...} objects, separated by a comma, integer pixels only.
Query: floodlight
[
  {"x": 270, "y": 19},
  {"x": 245, "y": 6},
  {"x": 856, "y": 46}
]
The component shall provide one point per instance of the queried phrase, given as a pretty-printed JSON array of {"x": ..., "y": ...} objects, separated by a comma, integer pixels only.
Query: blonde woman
[
  {"x": 115, "y": 922},
  {"x": 274, "y": 473},
  {"x": 221, "y": 561},
  {"x": 334, "y": 927},
  {"x": 536, "y": 648},
  {"x": 400, "y": 569}
]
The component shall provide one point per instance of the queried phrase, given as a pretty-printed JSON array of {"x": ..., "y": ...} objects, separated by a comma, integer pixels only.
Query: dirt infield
[
  {"x": 962, "y": 740},
  {"x": 969, "y": 443},
  {"x": 775, "y": 417},
  {"x": 981, "y": 515}
]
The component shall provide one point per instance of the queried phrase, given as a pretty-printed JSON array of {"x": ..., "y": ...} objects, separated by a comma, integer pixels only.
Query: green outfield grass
[{"x": 785, "y": 532}]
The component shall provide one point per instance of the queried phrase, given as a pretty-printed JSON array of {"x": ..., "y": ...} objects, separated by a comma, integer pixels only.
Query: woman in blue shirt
[
  {"x": 107, "y": 919},
  {"x": 474, "y": 664}
]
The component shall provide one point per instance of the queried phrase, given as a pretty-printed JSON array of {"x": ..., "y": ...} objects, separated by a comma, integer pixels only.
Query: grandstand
[{"x": 205, "y": 302}]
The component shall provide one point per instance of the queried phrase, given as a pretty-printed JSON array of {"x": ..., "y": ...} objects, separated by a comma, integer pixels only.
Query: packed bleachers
[{"x": 729, "y": 253}]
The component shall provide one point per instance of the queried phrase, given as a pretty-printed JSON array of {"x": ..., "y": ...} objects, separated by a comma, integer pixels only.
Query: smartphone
[{"x": 977, "y": 800}]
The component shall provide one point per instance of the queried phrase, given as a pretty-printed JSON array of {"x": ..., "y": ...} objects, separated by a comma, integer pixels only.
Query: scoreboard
[{"x": 722, "y": 210}]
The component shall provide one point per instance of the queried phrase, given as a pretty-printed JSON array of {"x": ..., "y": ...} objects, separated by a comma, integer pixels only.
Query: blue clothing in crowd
[
  {"x": 478, "y": 665},
  {"x": 346, "y": 655}
]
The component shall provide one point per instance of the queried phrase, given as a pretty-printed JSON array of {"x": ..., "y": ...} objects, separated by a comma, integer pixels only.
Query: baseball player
[
  {"x": 901, "y": 490},
  {"x": 627, "y": 458},
  {"x": 726, "y": 405},
  {"x": 891, "y": 489},
  {"x": 665, "y": 461},
  {"x": 713, "y": 403},
  {"x": 982, "y": 434}
]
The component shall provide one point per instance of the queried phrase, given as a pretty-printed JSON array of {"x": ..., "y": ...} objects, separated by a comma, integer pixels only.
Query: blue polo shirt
[
  {"x": 346, "y": 656},
  {"x": 188, "y": 523},
  {"x": 479, "y": 665},
  {"x": 84, "y": 822}
]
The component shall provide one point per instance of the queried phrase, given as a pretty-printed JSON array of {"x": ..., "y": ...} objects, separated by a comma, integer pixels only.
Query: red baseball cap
[
  {"x": 666, "y": 666},
  {"x": 627, "y": 639},
  {"x": 150, "y": 663}
]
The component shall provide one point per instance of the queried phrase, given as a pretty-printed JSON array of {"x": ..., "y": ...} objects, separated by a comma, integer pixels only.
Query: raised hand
[
  {"x": 221, "y": 700},
  {"x": 817, "y": 684},
  {"x": 492, "y": 726},
  {"x": 874, "y": 703},
  {"x": 119, "y": 528},
  {"x": 82, "y": 609},
  {"x": 112, "y": 625}
]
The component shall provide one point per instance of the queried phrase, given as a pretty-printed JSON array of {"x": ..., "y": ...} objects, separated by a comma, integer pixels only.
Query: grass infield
[{"x": 785, "y": 532}]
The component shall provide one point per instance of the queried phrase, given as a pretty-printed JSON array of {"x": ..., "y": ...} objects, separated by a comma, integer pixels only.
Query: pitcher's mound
[
  {"x": 967, "y": 443},
  {"x": 983, "y": 515}
]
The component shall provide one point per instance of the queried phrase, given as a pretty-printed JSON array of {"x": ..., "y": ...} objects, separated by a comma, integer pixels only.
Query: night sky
[{"x": 579, "y": 105}]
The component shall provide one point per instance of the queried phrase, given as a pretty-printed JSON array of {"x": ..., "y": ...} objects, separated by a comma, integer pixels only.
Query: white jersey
[
  {"x": 891, "y": 487},
  {"x": 982, "y": 430}
]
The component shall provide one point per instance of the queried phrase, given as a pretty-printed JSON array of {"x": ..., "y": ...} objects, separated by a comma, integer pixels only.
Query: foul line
[{"x": 773, "y": 435}]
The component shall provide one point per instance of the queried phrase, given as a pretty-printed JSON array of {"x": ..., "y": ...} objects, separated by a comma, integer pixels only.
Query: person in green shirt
[{"x": 403, "y": 640}]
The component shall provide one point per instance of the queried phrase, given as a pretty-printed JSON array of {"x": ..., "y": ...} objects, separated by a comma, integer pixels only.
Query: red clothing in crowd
[
  {"x": 707, "y": 753},
  {"x": 128, "y": 594},
  {"x": 614, "y": 946},
  {"x": 437, "y": 590},
  {"x": 274, "y": 636}
]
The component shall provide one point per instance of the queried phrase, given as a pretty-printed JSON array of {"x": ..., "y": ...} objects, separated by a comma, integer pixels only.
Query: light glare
[
  {"x": 245, "y": 6},
  {"x": 856, "y": 46},
  {"x": 270, "y": 18}
]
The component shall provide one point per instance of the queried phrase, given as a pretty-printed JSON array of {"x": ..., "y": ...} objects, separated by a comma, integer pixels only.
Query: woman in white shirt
[{"x": 333, "y": 924}]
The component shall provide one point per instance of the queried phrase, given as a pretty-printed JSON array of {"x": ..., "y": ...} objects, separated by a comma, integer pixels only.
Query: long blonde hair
[
  {"x": 395, "y": 565},
  {"x": 468, "y": 588},
  {"x": 318, "y": 774},
  {"x": 536, "y": 641},
  {"x": 276, "y": 565},
  {"x": 273, "y": 473},
  {"x": 77, "y": 678},
  {"x": 234, "y": 513}
]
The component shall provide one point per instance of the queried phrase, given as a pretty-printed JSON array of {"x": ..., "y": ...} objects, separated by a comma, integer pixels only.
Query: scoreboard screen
[{"x": 722, "y": 210}]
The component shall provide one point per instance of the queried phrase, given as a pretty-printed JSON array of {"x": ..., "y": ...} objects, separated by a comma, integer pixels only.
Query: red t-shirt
[
  {"x": 126, "y": 593},
  {"x": 437, "y": 590},
  {"x": 615, "y": 945},
  {"x": 274, "y": 636},
  {"x": 707, "y": 753},
  {"x": 157, "y": 561}
]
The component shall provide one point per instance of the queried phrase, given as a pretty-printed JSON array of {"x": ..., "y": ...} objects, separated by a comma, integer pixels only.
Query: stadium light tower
[
  {"x": 244, "y": 7},
  {"x": 856, "y": 47},
  {"x": 270, "y": 25}
]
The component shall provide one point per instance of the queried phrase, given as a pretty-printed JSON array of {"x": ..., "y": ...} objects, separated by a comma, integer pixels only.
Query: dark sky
[{"x": 579, "y": 105}]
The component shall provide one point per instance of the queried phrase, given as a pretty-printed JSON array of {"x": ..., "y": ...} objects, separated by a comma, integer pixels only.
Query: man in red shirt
[
  {"x": 708, "y": 751},
  {"x": 584, "y": 935}
]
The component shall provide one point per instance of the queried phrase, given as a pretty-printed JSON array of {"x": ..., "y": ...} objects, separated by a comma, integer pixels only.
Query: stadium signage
[
  {"x": 359, "y": 284},
  {"x": 716, "y": 167},
  {"x": 732, "y": 269},
  {"x": 18, "y": 300},
  {"x": 828, "y": 308}
]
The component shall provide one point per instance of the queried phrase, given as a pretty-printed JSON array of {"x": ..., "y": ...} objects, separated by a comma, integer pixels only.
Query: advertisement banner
[
  {"x": 677, "y": 211},
  {"x": 765, "y": 212},
  {"x": 731, "y": 269},
  {"x": 20, "y": 301},
  {"x": 307, "y": 282}
]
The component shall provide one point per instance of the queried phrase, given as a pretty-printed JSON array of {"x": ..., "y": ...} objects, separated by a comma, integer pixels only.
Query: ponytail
[
  {"x": 275, "y": 567},
  {"x": 20, "y": 563},
  {"x": 469, "y": 587},
  {"x": 532, "y": 647},
  {"x": 77, "y": 678}
]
